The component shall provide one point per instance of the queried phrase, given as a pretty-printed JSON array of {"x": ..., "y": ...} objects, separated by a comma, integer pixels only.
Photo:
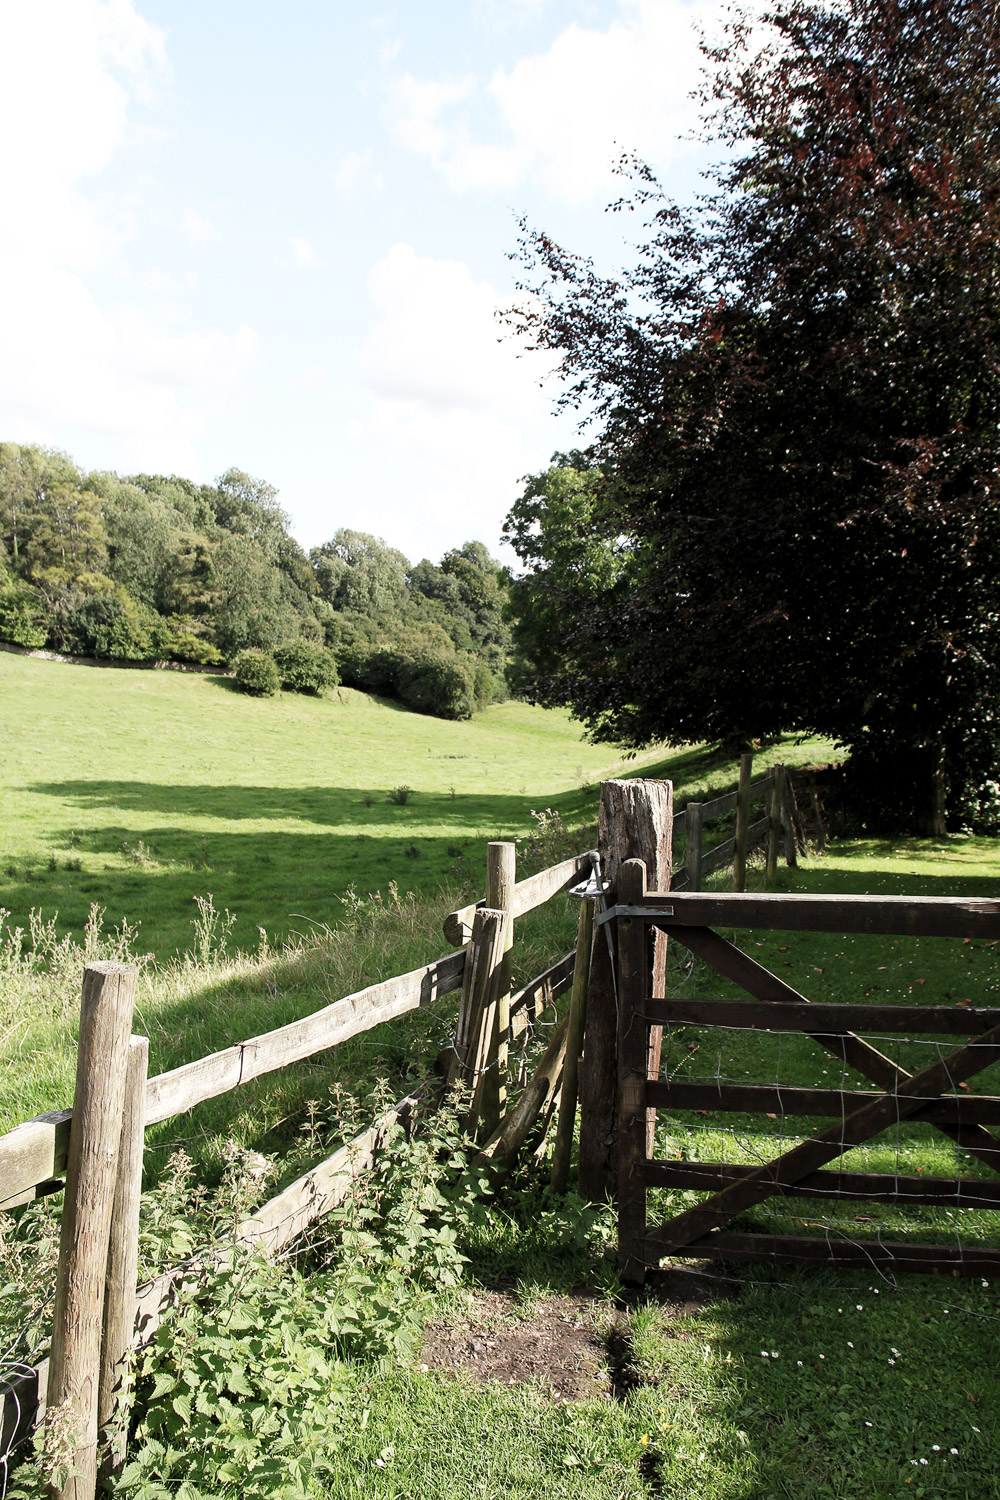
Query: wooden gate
[{"x": 935, "y": 1094}]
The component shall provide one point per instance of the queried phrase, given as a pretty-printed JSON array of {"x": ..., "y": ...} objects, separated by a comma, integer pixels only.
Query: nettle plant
[{"x": 243, "y": 1390}]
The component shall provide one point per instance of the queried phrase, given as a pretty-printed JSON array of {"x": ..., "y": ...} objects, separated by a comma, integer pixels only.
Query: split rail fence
[{"x": 95, "y": 1150}]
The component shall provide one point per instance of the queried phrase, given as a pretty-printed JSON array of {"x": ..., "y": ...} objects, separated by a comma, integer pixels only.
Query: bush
[
  {"x": 305, "y": 667},
  {"x": 441, "y": 685},
  {"x": 22, "y": 617},
  {"x": 255, "y": 672}
]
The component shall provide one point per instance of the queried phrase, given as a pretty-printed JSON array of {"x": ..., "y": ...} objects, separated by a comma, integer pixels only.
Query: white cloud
[
  {"x": 199, "y": 230},
  {"x": 356, "y": 174},
  {"x": 563, "y": 116},
  {"x": 450, "y": 404},
  {"x": 74, "y": 70},
  {"x": 304, "y": 254}
]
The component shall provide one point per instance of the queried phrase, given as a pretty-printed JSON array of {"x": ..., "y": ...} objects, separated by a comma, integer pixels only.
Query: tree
[{"x": 792, "y": 503}]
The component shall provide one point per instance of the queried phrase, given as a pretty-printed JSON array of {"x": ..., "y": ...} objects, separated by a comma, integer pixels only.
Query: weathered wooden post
[
  {"x": 635, "y": 821},
  {"x": 787, "y": 818},
  {"x": 574, "y": 1041},
  {"x": 477, "y": 1007},
  {"x": 634, "y": 971},
  {"x": 114, "y": 1391},
  {"x": 774, "y": 826},
  {"x": 742, "y": 823},
  {"x": 692, "y": 857},
  {"x": 95, "y": 1135},
  {"x": 501, "y": 859}
]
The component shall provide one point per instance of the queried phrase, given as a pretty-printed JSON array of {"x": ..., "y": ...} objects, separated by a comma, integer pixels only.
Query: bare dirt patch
[{"x": 577, "y": 1347}]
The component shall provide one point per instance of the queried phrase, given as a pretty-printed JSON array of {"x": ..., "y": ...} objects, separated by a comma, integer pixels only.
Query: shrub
[
  {"x": 305, "y": 667},
  {"x": 255, "y": 672},
  {"x": 437, "y": 684},
  {"x": 400, "y": 795},
  {"x": 22, "y": 616}
]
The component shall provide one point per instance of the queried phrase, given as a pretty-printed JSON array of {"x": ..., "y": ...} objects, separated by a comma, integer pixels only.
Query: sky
[{"x": 278, "y": 236}]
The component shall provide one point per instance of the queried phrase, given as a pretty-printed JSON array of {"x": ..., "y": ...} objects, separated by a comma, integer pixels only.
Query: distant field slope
[{"x": 140, "y": 790}]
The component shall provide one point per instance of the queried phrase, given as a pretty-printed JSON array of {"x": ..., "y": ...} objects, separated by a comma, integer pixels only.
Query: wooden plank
[
  {"x": 529, "y": 893},
  {"x": 633, "y": 990},
  {"x": 762, "y": 1098},
  {"x": 904, "y": 916},
  {"x": 171, "y": 1093},
  {"x": 32, "y": 1154},
  {"x": 818, "y": 1016},
  {"x": 536, "y": 996},
  {"x": 757, "y": 832},
  {"x": 867, "y": 1187},
  {"x": 563, "y": 1145},
  {"x": 761, "y": 786},
  {"x": 718, "y": 858},
  {"x": 751, "y": 976},
  {"x": 854, "y": 1129},
  {"x": 718, "y": 807},
  {"x": 504, "y": 1145},
  {"x": 868, "y": 1255}
]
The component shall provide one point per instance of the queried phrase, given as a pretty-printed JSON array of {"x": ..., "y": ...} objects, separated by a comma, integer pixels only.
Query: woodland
[{"x": 154, "y": 567}]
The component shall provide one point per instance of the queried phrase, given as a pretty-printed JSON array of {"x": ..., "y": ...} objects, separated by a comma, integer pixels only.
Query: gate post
[
  {"x": 636, "y": 822},
  {"x": 633, "y": 985}
]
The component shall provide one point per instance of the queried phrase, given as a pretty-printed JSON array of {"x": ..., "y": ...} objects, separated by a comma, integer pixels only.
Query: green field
[{"x": 143, "y": 789}]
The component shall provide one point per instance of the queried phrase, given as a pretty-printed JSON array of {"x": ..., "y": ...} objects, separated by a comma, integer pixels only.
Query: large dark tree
[{"x": 790, "y": 520}]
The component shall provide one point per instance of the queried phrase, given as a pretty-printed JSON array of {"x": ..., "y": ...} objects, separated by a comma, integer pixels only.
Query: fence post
[
  {"x": 501, "y": 861},
  {"x": 634, "y": 976},
  {"x": 692, "y": 858},
  {"x": 477, "y": 1008},
  {"x": 95, "y": 1133},
  {"x": 635, "y": 821},
  {"x": 787, "y": 826},
  {"x": 774, "y": 825},
  {"x": 114, "y": 1391},
  {"x": 742, "y": 823},
  {"x": 574, "y": 1041}
]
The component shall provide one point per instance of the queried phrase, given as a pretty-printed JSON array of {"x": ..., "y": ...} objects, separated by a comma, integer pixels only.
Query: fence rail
[{"x": 931, "y": 1095}]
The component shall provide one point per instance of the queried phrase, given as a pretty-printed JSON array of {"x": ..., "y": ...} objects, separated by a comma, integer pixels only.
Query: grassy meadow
[{"x": 140, "y": 791}]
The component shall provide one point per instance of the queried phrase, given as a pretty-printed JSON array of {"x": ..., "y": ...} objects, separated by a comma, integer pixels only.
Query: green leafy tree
[
  {"x": 306, "y": 667},
  {"x": 798, "y": 389}
]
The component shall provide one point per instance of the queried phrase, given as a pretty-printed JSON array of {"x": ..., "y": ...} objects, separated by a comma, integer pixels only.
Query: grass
[
  {"x": 811, "y": 1385},
  {"x": 141, "y": 790}
]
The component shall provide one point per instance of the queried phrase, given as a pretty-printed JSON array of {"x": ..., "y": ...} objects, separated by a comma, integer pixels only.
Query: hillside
[{"x": 141, "y": 790}]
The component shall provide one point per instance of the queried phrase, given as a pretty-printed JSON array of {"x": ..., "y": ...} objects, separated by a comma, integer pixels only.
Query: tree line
[{"x": 155, "y": 567}]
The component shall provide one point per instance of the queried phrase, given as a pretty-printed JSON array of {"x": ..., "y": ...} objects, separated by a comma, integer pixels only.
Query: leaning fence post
[
  {"x": 574, "y": 1041},
  {"x": 742, "y": 823},
  {"x": 787, "y": 824},
  {"x": 692, "y": 857},
  {"x": 114, "y": 1391},
  {"x": 635, "y": 821},
  {"x": 95, "y": 1133},
  {"x": 774, "y": 826},
  {"x": 501, "y": 861}
]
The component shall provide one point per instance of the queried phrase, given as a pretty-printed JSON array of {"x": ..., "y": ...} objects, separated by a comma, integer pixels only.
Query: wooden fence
[
  {"x": 933, "y": 1094},
  {"x": 96, "y": 1149}
]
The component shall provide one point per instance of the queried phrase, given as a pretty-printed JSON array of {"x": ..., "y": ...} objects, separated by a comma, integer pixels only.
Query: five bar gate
[{"x": 933, "y": 1094}]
